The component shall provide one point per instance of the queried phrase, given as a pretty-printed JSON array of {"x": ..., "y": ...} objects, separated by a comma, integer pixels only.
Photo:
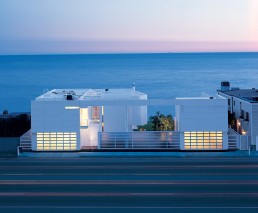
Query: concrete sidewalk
[{"x": 230, "y": 154}]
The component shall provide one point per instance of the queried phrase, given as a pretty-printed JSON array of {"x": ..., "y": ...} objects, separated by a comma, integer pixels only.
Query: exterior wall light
[{"x": 72, "y": 107}]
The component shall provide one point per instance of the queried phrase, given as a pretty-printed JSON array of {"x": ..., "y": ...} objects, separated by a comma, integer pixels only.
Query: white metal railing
[
  {"x": 139, "y": 140},
  {"x": 25, "y": 141},
  {"x": 237, "y": 141}
]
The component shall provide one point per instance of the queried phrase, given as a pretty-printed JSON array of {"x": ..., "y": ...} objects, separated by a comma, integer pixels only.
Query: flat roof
[
  {"x": 201, "y": 98},
  {"x": 249, "y": 95},
  {"x": 90, "y": 94}
]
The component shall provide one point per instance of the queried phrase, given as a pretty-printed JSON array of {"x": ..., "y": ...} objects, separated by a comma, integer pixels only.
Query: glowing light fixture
[{"x": 72, "y": 107}]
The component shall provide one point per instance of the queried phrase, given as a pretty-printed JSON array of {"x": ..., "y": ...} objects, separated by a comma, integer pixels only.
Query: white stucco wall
[
  {"x": 51, "y": 116},
  {"x": 202, "y": 115}
]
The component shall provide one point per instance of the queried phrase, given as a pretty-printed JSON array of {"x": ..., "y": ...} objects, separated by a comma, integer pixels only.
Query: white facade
[
  {"x": 202, "y": 122},
  {"x": 244, "y": 104},
  {"x": 59, "y": 123},
  {"x": 73, "y": 119}
]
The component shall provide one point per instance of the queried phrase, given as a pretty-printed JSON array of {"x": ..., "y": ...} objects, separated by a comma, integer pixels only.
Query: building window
[
  {"x": 56, "y": 141},
  {"x": 229, "y": 102},
  {"x": 95, "y": 114},
  {"x": 246, "y": 116},
  {"x": 242, "y": 114},
  {"x": 203, "y": 140}
]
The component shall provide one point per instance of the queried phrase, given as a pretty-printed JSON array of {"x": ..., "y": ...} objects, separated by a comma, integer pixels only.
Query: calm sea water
[{"x": 22, "y": 78}]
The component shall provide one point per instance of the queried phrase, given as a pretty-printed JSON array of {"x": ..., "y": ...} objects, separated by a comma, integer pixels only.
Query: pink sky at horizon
[
  {"x": 94, "y": 47},
  {"x": 120, "y": 26}
]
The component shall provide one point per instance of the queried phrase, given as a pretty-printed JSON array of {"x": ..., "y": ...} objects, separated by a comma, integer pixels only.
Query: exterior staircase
[{"x": 25, "y": 141}]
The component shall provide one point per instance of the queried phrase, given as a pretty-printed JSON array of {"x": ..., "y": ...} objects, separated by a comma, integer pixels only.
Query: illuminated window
[
  {"x": 56, "y": 141},
  {"x": 84, "y": 116},
  {"x": 203, "y": 140},
  {"x": 103, "y": 125},
  {"x": 95, "y": 114}
]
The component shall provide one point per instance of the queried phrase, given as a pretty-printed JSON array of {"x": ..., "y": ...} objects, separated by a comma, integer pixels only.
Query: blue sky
[{"x": 107, "y": 26}]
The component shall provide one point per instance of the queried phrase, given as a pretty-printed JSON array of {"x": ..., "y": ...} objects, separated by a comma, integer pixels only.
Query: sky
[{"x": 127, "y": 26}]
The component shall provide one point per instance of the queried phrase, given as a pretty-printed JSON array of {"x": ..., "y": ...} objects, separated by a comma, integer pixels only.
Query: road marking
[
  {"x": 17, "y": 174},
  {"x": 133, "y": 207},
  {"x": 124, "y": 182},
  {"x": 116, "y": 194},
  {"x": 73, "y": 167}
]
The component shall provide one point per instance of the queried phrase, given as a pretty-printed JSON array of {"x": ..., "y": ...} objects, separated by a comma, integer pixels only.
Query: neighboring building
[
  {"x": 202, "y": 122},
  {"x": 70, "y": 119},
  {"x": 243, "y": 108},
  {"x": 14, "y": 124},
  {"x": 12, "y": 127}
]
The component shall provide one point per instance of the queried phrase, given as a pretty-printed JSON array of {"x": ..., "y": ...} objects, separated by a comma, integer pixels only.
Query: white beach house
[
  {"x": 82, "y": 119},
  {"x": 70, "y": 119}
]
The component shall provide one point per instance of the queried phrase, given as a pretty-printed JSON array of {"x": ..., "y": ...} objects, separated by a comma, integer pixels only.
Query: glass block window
[
  {"x": 203, "y": 140},
  {"x": 56, "y": 141}
]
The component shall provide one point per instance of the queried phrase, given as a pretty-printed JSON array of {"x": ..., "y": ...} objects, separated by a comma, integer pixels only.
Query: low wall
[{"x": 9, "y": 144}]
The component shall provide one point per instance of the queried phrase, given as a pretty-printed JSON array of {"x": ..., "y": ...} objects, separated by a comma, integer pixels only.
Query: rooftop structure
[
  {"x": 89, "y": 94},
  {"x": 249, "y": 95}
]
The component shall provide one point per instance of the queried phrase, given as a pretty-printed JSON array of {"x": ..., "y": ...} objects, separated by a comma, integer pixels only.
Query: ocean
[{"x": 168, "y": 75}]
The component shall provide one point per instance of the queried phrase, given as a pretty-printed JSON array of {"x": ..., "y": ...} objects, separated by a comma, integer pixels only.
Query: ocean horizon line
[{"x": 130, "y": 53}]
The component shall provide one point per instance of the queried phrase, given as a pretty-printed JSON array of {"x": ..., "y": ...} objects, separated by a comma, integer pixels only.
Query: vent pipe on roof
[
  {"x": 225, "y": 86},
  {"x": 45, "y": 91},
  {"x": 133, "y": 86},
  {"x": 69, "y": 97}
]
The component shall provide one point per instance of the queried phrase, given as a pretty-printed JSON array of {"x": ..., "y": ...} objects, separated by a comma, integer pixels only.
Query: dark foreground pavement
[{"x": 129, "y": 185}]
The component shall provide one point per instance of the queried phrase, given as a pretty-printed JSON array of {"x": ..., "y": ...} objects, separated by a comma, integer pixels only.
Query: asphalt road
[{"x": 129, "y": 185}]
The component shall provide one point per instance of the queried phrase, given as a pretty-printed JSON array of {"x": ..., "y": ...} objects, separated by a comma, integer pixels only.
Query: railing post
[
  {"x": 115, "y": 140},
  {"x": 18, "y": 151},
  {"x": 167, "y": 140},
  {"x": 132, "y": 139},
  {"x": 99, "y": 145},
  {"x": 126, "y": 139},
  {"x": 238, "y": 142},
  {"x": 249, "y": 145}
]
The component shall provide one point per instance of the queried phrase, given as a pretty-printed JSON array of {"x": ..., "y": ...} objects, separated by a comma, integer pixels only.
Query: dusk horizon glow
[{"x": 42, "y": 27}]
